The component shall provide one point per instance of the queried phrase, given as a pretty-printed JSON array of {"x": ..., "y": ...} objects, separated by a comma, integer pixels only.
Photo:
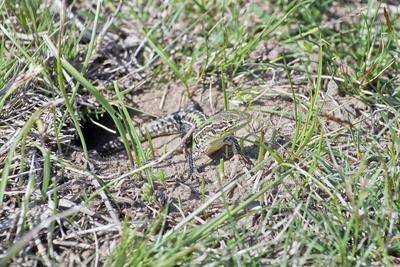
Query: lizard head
[
  {"x": 223, "y": 123},
  {"x": 230, "y": 121}
]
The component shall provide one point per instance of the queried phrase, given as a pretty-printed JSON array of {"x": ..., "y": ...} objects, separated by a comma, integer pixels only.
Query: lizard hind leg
[
  {"x": 184, "y": 128},
  {"x": 189, "y": 161}
]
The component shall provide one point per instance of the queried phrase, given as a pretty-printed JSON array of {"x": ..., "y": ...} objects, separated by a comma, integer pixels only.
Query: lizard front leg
[{"x": 232, "y": 141}]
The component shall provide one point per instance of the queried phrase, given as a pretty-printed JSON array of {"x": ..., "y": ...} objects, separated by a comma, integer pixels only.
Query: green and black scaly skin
[{"x": 210, "y": 134}]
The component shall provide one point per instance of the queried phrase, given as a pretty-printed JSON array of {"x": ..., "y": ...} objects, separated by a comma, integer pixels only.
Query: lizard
[{"x": 210, "y": 133}]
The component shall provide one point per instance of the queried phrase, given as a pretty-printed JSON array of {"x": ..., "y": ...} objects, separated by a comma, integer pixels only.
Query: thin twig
[
  {"x": 164, "y": 96},
  {"x": 25, "y": 202},
  {"x": 96, "y": 242}
]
